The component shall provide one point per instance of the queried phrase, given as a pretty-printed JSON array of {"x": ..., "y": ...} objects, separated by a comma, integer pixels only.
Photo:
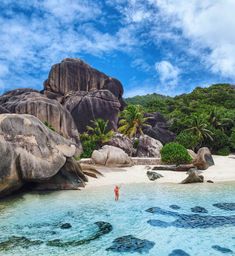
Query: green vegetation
[
  {"x": 49, "y": 126},
  {"x": 188, "y": 139},
  {"x": 174, "y": 153},
  {"x": 206, "y": 113},
  {"x": 96, "y": 135},
  {"x": 132, "y": 121}
]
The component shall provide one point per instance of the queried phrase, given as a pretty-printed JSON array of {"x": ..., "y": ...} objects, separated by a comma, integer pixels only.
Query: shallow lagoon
[{"x": 38, "y": 217}]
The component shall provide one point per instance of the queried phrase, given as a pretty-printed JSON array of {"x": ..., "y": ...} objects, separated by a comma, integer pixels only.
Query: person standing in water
[{"x": 116, "y": 192}]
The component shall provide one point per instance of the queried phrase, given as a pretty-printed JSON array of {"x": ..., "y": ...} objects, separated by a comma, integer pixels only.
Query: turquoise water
[{"x": 38, "y": 217}]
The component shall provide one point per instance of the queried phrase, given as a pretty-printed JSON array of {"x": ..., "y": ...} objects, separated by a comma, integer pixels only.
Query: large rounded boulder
[
  {"x": 87, "y": 106},
  {"x": 76, "y": 75},
  {"x": 32, "y": 153},
  {"x": 121, "y": 141},
  {"x": 204, "y": 159},
  {"x": 148, "y": 147},
  {"x": 50, "y": 112},
  {"x": 111, "y": 156}
]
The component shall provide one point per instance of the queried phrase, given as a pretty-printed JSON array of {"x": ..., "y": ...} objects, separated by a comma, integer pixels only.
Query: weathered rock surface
[
  {"x": 111, "y": 156},
  {"x": 75, "y": 75},
  {"x": 28, "y": 101},
  {"x": 193, "y": 177},
  {"x": 87, "y": 106},
  {"x": 32, "y": 153},
  {"x": 148, "y": 147},
  {"x": 153, "y": 175},
  {"x": 121, "y": 141},
  {"x": 192, "y": 154},
  {"x": 131, "y": 244},
  {"x": 159, "y": 128},
  {"x": 204, "y": 159}
]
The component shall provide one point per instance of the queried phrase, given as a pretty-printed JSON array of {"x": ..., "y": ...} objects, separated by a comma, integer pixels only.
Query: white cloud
[
  {"x": 54, "y": 30},
  {"x": 168, "y": 73},
  {"x": 209, "y": 25}
]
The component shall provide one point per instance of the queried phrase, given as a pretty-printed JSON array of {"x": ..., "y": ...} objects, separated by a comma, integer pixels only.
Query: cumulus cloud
[
  {"x": 209, "y": 25},
  {"x": 36, "y": 34},
  {"x": 168, "y": 73}
]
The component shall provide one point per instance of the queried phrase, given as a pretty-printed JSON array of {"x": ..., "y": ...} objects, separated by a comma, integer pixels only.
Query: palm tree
[
  {"x": 132, "y": 121},
  {"x": 218, "y": 121},
  {"x": 99, "y": 130},
  {"x": 199, "y": 127}
]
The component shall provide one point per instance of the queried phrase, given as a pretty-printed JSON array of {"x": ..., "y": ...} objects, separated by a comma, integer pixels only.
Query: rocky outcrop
[
  {"x": 148, "y": 147},
  {"x": 111, "y": 156},
  {"x": 75, "y": 75},
  {"x": 193, "y": 177},
  {"x": 153, "y": 175},
  {"x": 32, "y": 153},
  {"x": 87, "y": 106},
  {"x": 121, "y": 141},
  {"x": 28, "y": 101},
  {"x": 204, "y": 159},
  {"x": 192, "y": 154},
  {"x": 158, "y": 128}
]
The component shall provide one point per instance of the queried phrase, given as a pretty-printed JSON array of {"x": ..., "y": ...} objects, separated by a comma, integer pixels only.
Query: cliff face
[
  {"x": 75, "y": 75},
  {"x": 73, "y": 95}
]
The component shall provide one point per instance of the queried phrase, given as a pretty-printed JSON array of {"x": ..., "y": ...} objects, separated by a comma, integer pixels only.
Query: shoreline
[{"x": 222, "y": 171}]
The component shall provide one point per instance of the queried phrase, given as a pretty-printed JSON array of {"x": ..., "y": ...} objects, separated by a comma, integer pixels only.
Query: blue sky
[{"x": 162, "y": 46}]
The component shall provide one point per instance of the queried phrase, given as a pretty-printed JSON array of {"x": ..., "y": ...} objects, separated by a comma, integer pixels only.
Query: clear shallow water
[{"x": 39, "y": 217}]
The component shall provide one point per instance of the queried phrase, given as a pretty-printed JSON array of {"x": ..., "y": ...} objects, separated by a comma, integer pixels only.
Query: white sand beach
[{"x": 222, "y": 171}]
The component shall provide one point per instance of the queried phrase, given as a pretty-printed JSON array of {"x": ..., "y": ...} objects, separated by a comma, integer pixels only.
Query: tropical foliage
[
  {"x": 207, "y": 113},
  {"x": 174, "y": 153},
  {"x": 97, "y": 134},
  {"x": 132, "y": 121}
]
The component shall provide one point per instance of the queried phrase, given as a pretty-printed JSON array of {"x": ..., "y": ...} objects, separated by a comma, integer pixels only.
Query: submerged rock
[
  {"x": 111, "y": 156},
  {"x": 153, "y": 175},
  {"x": 225, "y": 206},
  {"x": 204, "y": 159},
  {"x": 178, "y": 252},
  {"x": 221, "y": 249},
  {"x": 199, "y": 209},
  {"x": 103, "y": 228},
  {"x": 190, "y": 220},
  {"x": 174, "y": 207},
  {"x": 66, "y": 226},
  {"x": 21, "y": 241},
  {"x": 131, "y": 244}
]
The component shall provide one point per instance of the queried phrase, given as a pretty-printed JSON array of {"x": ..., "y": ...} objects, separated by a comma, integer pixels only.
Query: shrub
[
  {"x": 174, "y": 153},
  {"x": 223, "y": 151},
  {"x": 220, "y": 141},
  {"x": 88, "y": 147},
  {"x": 188, "y": 139},
  {"x": 232, "y": 139}
]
